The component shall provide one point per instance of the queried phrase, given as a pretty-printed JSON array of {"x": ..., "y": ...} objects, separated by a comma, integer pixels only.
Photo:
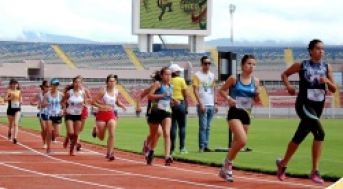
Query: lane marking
[
  {"x": 122, "y": 172},
  {"x": 205, "y": 173},
  {"x": 58, "y": 177}
]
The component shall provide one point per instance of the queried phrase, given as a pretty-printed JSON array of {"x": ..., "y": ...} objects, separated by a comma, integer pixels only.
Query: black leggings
[{"x": 309, "y": 114}]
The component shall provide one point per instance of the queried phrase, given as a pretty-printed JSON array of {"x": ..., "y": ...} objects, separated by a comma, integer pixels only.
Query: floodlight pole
[{"x": 232, "y": 9}]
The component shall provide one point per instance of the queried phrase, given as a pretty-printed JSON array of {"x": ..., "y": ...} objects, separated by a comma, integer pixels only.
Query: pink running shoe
[
  {"x": 281, "y": 171},
  {"x": 315, "y": 177}
]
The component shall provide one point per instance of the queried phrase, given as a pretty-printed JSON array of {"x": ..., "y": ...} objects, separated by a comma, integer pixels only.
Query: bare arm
[
  {"x": 224, "y": 90},
  {"x": 152, "y": 95},
  {"x": 8, "y": 95},
  {"x": 88, "y": 96},
  {"x": 20, "y": 98},
  {"x": 295, "y": 68},
  {"x": 45, "y": 102},
  {"x": 65, "y": 97},
  {"x": 120, "y": 104},
  {"x": 329, "y": 81}
]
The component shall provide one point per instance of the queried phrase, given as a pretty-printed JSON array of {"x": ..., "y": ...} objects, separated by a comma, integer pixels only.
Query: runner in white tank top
[
  {"x": 84, "y": 114},
  {"x": 106, "y": 101},
  {"x": 74, "y": 102}
]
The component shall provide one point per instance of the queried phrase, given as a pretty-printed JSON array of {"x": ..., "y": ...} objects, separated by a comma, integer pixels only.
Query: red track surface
[{"x": 25, "y": 165}]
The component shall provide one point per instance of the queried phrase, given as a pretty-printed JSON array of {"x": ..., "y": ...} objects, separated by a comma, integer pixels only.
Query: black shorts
[
  {"x": 240, "y": 114},
  {"x": 157, "y": 116},
  {"x": 55, "y": 119},
  {"x": 306, "y": 109},
  {"x": 43, "y": 117},
  {"x": 12, "y": 111},
  {"x": 72, "y": 117}
]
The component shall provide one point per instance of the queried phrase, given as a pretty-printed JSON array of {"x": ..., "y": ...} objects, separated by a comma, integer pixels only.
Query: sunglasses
[{"x": 207, "y": 63}]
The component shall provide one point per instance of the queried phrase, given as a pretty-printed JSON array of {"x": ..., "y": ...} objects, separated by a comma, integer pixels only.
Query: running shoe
[
  {"x": 168, "y": 161},
  {"x": 315, "y": 177},
  {"x": 15, "y": 141},
  {"x": 110, "y": 156},
  {"x": 150, "y": 157},
  {"x": 226, "y": 174},
  {"x": 145, "y": 149},
  {"x": 45, "y": 146},
  {"x": 207, "y": 150},
  {"x": 226, "y": 171},
  {"x": 281, "y": 171},
  {"x": 94, "y": 132},
  {"x": 78, "y": 147}
]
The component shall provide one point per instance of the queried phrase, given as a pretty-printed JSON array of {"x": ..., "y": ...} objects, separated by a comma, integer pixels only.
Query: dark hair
[
  {"x": 246, "y": 57},
  {"x": 313, "y": 43},
  {"x": 203, "y": 58},
  {"x": 13, "y": 81},
  {"x": 156, "y": 76},
  {"x": 71, "y": 86},
  {"x": 164, "y": 69},
  {"x": 44, "y": 83},
  {"x": 112, "y": 76}
]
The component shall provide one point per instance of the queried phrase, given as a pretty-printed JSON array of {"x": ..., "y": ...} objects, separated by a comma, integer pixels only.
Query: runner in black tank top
[{"x": 315, "y": 76}]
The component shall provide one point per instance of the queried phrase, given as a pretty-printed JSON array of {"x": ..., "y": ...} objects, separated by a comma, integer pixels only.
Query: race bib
[
  {"x": 317, "y": 95},
  {"x": 163, "y": 105},
  {"x": 15, "y": 105},
  {"x": 243, "y": 102}
]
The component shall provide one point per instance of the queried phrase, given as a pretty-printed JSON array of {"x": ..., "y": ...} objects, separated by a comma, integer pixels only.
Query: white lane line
[
  {"x": 123, "y": 172},
  {"x": 63, "y": 175},
  {"x": 59, "y": 177},
  {"x": 206, "y": 173},
  {"x": 51, "y": 153}
]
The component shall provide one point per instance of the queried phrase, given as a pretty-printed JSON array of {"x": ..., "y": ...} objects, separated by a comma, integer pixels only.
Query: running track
[{"x": 25, "y": 165}]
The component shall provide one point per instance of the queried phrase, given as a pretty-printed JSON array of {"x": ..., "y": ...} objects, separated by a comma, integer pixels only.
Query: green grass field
[
  {"x": 267, "y": 137},
  {"x": 177, "y": 19}
]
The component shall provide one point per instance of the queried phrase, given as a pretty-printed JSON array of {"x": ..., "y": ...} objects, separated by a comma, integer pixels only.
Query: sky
[{"x": 110, "y": 20}]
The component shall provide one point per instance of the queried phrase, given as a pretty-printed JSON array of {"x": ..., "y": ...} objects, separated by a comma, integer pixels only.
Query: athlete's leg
[{"x": 239, "y": 138}]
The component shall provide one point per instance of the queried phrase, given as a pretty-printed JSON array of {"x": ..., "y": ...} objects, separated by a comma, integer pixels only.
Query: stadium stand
[
  {"x": 165, "y": 56},
  {"x": 16, "y": 52},
  {"x": 98, "y": 56}
]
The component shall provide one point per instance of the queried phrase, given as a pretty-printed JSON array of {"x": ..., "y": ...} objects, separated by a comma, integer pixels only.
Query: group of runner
[
  {"x": 241, "y": 92},
  {"x": 72, "y": 103}
]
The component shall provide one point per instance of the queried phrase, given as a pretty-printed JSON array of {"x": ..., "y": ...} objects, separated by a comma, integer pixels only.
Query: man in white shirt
[{"x": 204, "y": 90}]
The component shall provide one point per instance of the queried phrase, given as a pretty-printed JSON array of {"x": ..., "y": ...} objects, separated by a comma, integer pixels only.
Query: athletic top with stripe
[
  {"x": 40, "y": 102},
  {"x": 110, "y": 100},
  {"x": 75, "y": 102},
  {"x": 310, "y": 88},
  {"x": 54, "y": 104},
  {"x": 242, "y": 93},
  {"x": 164, "y": 102}
]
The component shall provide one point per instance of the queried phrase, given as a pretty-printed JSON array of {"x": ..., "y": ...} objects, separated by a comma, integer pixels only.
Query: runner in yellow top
[{"x": 14, "y": 99}]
